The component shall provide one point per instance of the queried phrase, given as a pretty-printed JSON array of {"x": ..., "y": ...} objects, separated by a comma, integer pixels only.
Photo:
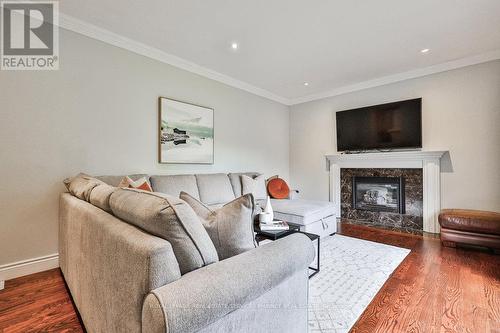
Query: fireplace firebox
[{"x": 382, "y": 194}]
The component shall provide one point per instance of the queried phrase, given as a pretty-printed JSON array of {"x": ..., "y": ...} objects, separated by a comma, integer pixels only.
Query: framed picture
[{"x": 186, "y": 132}]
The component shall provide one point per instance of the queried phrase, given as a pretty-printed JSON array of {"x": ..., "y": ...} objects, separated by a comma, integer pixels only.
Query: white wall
[
  {"x": 461, "y": 113},
  {"x": 98, "y": 114}
]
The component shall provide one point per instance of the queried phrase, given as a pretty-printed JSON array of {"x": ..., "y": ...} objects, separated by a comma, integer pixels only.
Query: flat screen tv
[{"x": 388, "y": 126}]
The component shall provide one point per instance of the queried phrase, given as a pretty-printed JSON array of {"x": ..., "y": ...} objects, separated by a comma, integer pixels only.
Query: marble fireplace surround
[
  {"x": 428, "y": 161},
  {"x": 410, "y": 220}
]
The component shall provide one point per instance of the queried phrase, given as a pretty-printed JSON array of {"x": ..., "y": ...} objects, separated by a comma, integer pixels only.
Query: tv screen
[{"x": 385, "y": 126}]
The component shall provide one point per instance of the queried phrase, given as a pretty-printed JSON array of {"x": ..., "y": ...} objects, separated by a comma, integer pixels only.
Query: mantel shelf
[{"x": 403, "y": 155}]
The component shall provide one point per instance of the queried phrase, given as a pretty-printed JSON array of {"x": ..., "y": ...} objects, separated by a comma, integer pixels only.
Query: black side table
[{"x": 274, "y": 235}]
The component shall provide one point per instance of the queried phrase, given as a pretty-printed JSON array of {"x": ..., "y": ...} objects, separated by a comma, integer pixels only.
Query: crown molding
[
  {"x": 443, "y": 67},
  {"x": 84, "y": 28}
]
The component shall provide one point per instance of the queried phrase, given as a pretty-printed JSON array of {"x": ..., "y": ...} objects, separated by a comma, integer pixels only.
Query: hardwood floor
[
  {"x": 435, "y": 289},
  {"x": 38, "y": 303}
]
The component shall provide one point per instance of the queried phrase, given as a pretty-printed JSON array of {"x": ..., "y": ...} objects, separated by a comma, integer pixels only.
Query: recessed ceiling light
[
  {"x": 306, "y": 83},
  {"x": 234, "y": 46},
  {"x": 424, "y": 50}
]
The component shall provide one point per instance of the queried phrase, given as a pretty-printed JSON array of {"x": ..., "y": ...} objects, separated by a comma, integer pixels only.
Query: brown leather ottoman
[{"x": 473, "y": 227}]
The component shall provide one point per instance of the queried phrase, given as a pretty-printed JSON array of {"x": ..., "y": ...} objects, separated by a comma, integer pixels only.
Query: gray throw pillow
[
  {"x": 230, "y": 227},
  {"x": 99, "y": 196},
  {"x": 169, "y": 218},
  {"x": 256, "y": 186}
]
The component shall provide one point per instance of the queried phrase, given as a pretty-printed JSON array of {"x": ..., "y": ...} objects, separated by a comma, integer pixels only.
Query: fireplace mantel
[{"x": 429, "y": 161}]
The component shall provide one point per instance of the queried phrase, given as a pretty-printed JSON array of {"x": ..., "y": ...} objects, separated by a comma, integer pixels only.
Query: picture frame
[{"x": 185, "y": 132}]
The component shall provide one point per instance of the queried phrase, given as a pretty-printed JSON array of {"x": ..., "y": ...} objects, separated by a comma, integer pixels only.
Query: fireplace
[
  {"x": 419, "y": 168},
  {"x": 387, "y": 197},
  {"x": 379, "y": 194}
]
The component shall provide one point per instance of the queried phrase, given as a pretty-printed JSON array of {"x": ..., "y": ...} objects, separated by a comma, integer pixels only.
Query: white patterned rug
[{"x": 352, "y": 272}]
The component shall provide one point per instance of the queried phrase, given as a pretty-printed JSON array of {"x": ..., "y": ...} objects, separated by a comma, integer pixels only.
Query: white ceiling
[{"x": 332, "y": 44}]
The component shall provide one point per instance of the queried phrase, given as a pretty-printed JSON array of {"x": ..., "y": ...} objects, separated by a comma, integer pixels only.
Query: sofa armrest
[
  {"x": 203, "y": 296},
  {"x": 110, "y": 266}
]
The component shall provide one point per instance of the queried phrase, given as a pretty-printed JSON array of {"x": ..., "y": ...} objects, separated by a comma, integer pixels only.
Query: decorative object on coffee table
[
  {"x": 274, "y": 235},
  {"x": 186, "y": 133},
  {"x": 268, "y": 209},
  {"x": 275, "y": 225},
  {"x": 265, "y": 218}
]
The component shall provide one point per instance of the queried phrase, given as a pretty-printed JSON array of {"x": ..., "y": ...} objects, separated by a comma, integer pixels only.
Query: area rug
[{"x": 352, "y": 272}]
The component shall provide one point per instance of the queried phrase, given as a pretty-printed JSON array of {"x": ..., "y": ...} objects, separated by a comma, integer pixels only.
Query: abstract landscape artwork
[{"x": 186, "y": 133}]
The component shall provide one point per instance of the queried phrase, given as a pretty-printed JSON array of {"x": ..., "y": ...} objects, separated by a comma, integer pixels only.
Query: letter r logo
[{"x": 27, "y": 28}]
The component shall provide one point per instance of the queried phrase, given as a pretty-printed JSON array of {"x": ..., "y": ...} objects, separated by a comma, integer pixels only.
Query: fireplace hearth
[{"x": 379, "y": 194}]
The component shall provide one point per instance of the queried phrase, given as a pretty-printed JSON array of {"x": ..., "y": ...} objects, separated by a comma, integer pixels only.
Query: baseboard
[{"x": 26, "y": 267}]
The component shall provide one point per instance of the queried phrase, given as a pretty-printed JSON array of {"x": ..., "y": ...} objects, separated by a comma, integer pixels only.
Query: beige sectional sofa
[
  {"x": 314, "y": 216},
  {"x": 124, "y": 279}
]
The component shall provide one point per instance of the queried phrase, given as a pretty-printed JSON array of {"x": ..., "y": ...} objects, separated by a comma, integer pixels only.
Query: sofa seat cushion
[
  {"x": 470, "y": 220},
  {"x": 214, "y": 188},
  {"x": 300, "y": 211},
  {"x": 169, "y": 218},
  {"x": 174, "y": 184}
]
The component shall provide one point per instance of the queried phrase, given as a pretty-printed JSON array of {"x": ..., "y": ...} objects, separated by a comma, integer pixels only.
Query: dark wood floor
[
  {"x": 38, "y": 303},
  {"x": 435, "y": 289}
]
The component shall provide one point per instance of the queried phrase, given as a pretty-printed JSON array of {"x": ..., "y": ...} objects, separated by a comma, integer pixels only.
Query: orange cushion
[
  {"x": 140, "y": 184},
  {"x": 278, "y": 188}
]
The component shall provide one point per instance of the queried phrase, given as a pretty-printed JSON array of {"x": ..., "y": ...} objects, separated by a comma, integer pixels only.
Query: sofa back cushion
[
  {"x": 214, "y": 188},
  {"x": 235, "y": 179},
  {"x": 169, "y": 218},
  {"x": 174, "y": 184}
]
